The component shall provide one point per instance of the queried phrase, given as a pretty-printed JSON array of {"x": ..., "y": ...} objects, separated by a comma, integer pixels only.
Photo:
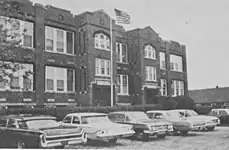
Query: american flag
[{"x": 122, "y": 17}]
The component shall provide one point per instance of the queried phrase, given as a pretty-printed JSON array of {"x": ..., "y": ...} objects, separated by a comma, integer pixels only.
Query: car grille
[{"x": 160, "y": 127}]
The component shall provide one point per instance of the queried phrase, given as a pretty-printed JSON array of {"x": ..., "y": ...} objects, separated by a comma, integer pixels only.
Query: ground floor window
[
  {"x": 122, "y": 84},
  {"x": 177, "y": 88},
  {"x": 163, "y": 87},
  {"x": 59, "y": 79}
]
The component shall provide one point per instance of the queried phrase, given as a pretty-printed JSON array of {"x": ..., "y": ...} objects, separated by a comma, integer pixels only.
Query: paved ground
[{"x": 214, "y": 140}]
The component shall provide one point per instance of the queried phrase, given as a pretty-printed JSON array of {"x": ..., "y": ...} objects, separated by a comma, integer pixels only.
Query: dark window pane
[
  {"x": 50, "y": 84},
  {"x": 27, "y": 84},
  {"x": 14, "y": 84},
  {"x": 70, "y": 80},
  {"x": 60, "y": 85},
  {"x": 69, "y": 42},
  {"x": 27, "y": 41}
]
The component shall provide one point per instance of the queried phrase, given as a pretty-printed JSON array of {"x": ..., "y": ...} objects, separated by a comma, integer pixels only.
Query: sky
[{"x": 201, "y": 25}]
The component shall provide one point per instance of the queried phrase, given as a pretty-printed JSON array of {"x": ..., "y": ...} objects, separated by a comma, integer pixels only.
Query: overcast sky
[{"x": 201, "y": 25}]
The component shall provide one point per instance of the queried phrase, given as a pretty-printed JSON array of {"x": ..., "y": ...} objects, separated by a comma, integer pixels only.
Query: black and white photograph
[{"x": 114, "y": 74}]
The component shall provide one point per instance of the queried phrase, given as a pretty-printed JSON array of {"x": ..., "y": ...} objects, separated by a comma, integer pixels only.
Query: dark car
[
  {"x": 29, "y": 131},
  {"x": 143, "y": 126}
]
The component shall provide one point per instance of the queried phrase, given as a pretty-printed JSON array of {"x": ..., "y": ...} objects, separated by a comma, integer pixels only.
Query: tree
[
  {"x": 11, "y": 34},
  {"x": 167, "y": 102}
]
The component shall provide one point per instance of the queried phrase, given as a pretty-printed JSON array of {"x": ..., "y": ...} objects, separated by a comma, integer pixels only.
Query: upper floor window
[
  {"x": 102, "y": 41},
  {"x": 122, "y": 84},
  {"x": 59, "y": 41},
  {"x": 16, "y": 76},
  {"x": 17, "y": 32},
  {"x": 103, "y": 67},
  {"x": 150, "y": 52},
  {"x": 59, "y": 79},
  {"x": 176, "y": 63},
  {"x": 177, "y": 88},
  {"x": 162, "y": 60},
  {"x": 151, "y": 73},
  {"x": 163, "y": 87},
  {"x": 121, "y": 50}
]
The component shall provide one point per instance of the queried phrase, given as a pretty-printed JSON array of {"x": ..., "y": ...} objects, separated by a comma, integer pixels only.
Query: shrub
[
  {"x": 167, "y": 102},
  {"x": 202, "y": 110},
  {"x": 185, "y": 102}
]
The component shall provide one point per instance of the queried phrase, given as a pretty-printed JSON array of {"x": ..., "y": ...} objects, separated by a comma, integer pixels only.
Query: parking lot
[{"x": 213, "y": 140}]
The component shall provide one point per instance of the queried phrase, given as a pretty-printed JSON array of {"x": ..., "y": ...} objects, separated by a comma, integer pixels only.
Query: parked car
[
  {"x": 221, "y": 113},
  {"x": 142, "y": 125},
  {"x": 210, "y": 121},
  {"x": 98, "y": 126},
  {"x": 181, "y": 124},
  {"x": 33, "y": 131}
]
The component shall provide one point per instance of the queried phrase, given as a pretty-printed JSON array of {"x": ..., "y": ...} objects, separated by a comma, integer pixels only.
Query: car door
[{"x": 10, "y": 134}]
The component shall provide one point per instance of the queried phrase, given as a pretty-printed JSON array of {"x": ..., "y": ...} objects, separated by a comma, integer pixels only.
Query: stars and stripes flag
[{"x": 122, "y": 17}]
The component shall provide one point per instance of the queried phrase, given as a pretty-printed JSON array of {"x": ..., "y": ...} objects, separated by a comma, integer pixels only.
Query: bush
[
  {"x": 59, "y": 113},
  {"x": 185, "y": 102},
  {"x": 202, "y": 110},
  {"x": 167, "y": 102}
]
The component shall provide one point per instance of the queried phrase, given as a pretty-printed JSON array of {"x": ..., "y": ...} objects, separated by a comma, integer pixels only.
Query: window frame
[
  {"x": 98, "y": 41},
  {"x": 56, "y": 78},
  {"x": 164, "y": 83},
  {"x": 162, "y": 61},
  {"x": 65, "y": 42},
  {"x": 121, "y": 85},
  {"x": 98, "y": 65},
  {"x": 176, "y": 63},
  {"x": 119, "y": 46},
  {"x": 148, "y": 73},
  {"x": 178, "y": 89},
  {"x": 22, "y": 32},
  {"x": 150, "y": 49}
]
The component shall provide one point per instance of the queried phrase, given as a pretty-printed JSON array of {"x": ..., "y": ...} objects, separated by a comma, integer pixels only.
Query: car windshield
[
  {"x": 191, "y": 113},
  {"x": 94, "y": 119},
  {"x": 173, "y": 115},
  {"x": 42, "y": 123},
  {"x": 138, "y": 116}
]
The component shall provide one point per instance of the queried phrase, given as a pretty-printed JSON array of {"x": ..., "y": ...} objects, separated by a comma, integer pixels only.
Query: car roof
[
  {"x": 125, "y": 112},
  {"x": 157, "y": 111},
  {"x": 220, "y": 109},
  {"x": 87, "y": 114},
  {"x": 180, "y": 110},
  {"x": 27, "y": 117}
]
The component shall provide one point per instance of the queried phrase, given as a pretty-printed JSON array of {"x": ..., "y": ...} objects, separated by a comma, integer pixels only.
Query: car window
[
  {"x": 112, "y": 117},
  {"x": 76, "y": 120},
  {"x": 151, "y": 115},
  {"x": 12, "y": 123},
  {"x": 213, "y": 113},
  {"x": 120, "y": 118},
  {"x": 159, "y": 116},
  {"x": 67, "y": 119},
  {"x": 222, "y": 113}
]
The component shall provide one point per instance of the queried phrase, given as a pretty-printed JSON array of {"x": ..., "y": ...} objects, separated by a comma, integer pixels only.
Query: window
[
  {"x": 122, "y": 84},
  {"x": 59, "y": 79},
  {"x": 103, "y": 67},
  {"x": 151, "y": 73},
  {"x": 20, "y": 79},
  {"x": 76, "y": 120},
  {"x": 121, "y": 50},
  {"x": 163, "y": 87},
  {"x": 102, "y": 41},
  {"x": 177, "y": 88},
  {"x": 59, "y": 41},
  {"x": 162, "y": 60},
  {"x": 150, "y": 52},
  {"x": 17, "y": 31},
  {"x": 176, "y": 63},
  {"x": 67, "y": 119}
]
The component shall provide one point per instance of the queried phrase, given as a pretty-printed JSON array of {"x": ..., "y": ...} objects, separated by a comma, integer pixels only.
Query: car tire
[
  {"x": 211, "y": 128},
  {"x": 183, "y": 133},
  {"x": 20, "y": 145},
  {"x": 161, "y": 136},
  {"x": 142, "y": 136}
]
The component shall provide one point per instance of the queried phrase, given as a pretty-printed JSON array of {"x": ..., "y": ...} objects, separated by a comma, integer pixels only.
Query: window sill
[
  {"x": 126, "y": 63},
  {"x": 151, "y": 80},
  {"x": 99, "y": 48},
  {"x": 163, "y": 68},
  {"x": 176, "y": 71},
  {"x": 150, "y": 58},
  {"x": 121, "y": 94},
  {"x": 60, "y": 53},
  {"x": 102, "y": 76},
  {"x": 53, "y": 92},
  {"x": 11, "y": 90}
]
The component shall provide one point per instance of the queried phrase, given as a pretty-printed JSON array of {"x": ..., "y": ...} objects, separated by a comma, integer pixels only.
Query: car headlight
[
  {"x": 43, "y": 140},
  {"x": 170, "y": 126}
]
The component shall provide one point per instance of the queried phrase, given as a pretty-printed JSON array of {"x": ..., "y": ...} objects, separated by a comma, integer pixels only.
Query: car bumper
[
  {"x": 115, "y": 136},
  {"x": 197, "y": 128},
  {"x": 158, "y": 132},
  {"x": 211, "y": 124},
  {"x": 66, "y": 142}
]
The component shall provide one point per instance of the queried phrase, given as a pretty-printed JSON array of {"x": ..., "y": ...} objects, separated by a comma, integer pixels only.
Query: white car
[
  {"x": 210, "y": 121},
  {"x": 98, "y": 126}
]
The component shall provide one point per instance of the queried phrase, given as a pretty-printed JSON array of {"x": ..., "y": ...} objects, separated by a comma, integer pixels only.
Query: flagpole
[{"x": 111, "y": 53}]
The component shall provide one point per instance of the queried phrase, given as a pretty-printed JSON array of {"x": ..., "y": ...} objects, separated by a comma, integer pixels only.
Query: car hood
[
  {"x": 153, "y": 122},
  {"x": 203, "y": 118},
  {"x": 108, "y": 126},
  {"x": 61, "y": 130}
]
